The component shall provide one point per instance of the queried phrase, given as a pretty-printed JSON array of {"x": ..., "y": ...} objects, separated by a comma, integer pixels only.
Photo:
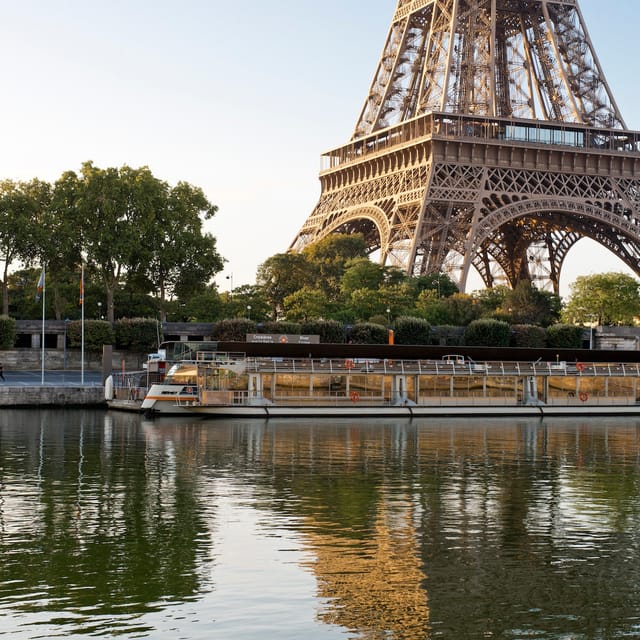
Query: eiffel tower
[{"x": 489, "y": 139}]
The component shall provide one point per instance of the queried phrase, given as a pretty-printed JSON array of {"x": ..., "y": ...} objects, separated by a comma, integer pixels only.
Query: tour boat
[{"x": 227, "y": 384}]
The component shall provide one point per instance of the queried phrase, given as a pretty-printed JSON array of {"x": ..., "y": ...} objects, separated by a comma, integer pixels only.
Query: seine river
[{"x": 114, "y": 526}]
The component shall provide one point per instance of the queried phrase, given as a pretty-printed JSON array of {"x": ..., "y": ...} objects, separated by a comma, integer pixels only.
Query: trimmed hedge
[
  {"x": 330, "y": 331},
  {"x": 97, "y": 333},
  {"x": 138, "y": 334},
  {"x": 564, "y": 336},
  {"x": 233, "y": 330},
  {"x": 487, "y": 333},
  {"x": 528, "y": 335},
  {"x": 368, "y": 333},
  {"x": 409, "y": 330},
  {"x": 7, "y": 332}
]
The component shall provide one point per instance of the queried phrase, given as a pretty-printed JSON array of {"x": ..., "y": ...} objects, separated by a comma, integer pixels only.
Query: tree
[
  {"x": 527, "y": 305},
  {"x": 330, "y": 256},
  {"x": 441, "y": 283},
  {"x": 21, "y": 209},
  {"x": 306, "y": 304},
  {"x": 281, "y": 275},
  {"x": 183, "y": 259},
  {"x": 116, "y": 210},
  {"x": 606, "y": 298}
]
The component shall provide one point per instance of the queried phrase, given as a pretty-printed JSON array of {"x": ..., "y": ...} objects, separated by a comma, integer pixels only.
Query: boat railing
[{"x": 389, "y": 366}]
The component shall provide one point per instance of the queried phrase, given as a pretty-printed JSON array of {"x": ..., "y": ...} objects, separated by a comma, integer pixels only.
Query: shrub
[
  {"x": 447, "y": 335},
  {"x": 330, "y": 331},
  {"x": 138, "y": 334},
  {"x": 368, "y": 333},
  {"x": 97, "y": 333},
  {"x": 487, "y": 333},
  {"x": 7, "y": 332},
  {"x": 233, "y": 330},
  {"x": 408, "y": 330},
  {"x": 293, "y": 328},
  {"x": 564, "y": 336},
  {"x": 528, "y": 335}
]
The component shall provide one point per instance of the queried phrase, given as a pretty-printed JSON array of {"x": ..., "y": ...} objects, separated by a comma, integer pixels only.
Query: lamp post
[
  {"x": 249, "y": 311},
  {"x": 99, "y": 310},
  {"x": 66, "y": 321},
  {"x": 388, "y": 316}
]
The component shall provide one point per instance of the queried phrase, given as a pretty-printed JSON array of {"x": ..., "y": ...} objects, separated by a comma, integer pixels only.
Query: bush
[
  {"x": 528, "y": 335},
  {"x": 368, "y": 333},
  {"x": 447, "y": 335},
  {"x": 97, "y": 333},
  {"x": 487, "y": 333},
  {"x": 7, "y": 332},
  {"x": 408, "y": 330},
  {"x": 138, "y": 334},
  {"x": 564, "y": 336},
  {"x": 233, "y": 330},
  {"x": 330, "y": 331},
  {"x": 292, "y": 328}
]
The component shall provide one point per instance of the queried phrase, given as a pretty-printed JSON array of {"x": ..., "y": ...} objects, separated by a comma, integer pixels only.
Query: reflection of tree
[
  {"x": 100, "y": 520},
  {"x": 372, "y": 584}
]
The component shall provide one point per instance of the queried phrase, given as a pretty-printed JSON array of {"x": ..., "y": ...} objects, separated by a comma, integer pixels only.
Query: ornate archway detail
[
  {"x": 349, "y": 218},
  {"x": 530, "y": 207}
]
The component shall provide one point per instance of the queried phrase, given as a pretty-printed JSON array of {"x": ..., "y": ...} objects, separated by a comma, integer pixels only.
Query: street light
[
  {"x": 99, "y": 310},
  {"x": 249, "y": 311},
  {"x": 66, "y": 321},
  {"x": 388, "y": 316}
]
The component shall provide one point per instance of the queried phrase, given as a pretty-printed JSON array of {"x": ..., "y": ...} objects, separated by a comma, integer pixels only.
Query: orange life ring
[
  {"x": 579, "y": 366},
  {"x": 355, "y": 396},
  {"x": 348, "y": 364},
  {"x": 584, "y": 396},
  {"x": 189, "y": 390}
]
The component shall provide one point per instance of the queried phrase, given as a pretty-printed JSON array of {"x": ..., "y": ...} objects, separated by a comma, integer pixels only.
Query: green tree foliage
[
  {"x": 183, "y": 258},
  {"x": 97, "y": 333},
  {"x": 307, "y": 304},
  {"x": 7, "y": 332},
  {"x": 528, "y": 336},
  {"x": 440, "y": 283},
  {"x": 22, "y": 205},
  {"x": 607, "y": 298},
  {"x": 525, "y": 304},
  {"x": 138, "y": 334},
  {"x": 361, "y": 273},
  {"x": 330, "y": 331},
  {"x": 282, "y": 327},
  {"x": 235, "y": 330},
  {"x": 408, "y": 330},
  {"x": 487, "y": 332},
  {"x": 282, "y": 275},
  {"x": 461, "y": 309},
  {"x": 329, "y": 258},
  {"x": 564, "y": 336},
  {"x": 368, "y": 333}
]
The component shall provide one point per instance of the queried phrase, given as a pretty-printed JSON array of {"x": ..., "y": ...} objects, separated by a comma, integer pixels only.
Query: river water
[{"x": 114, "y": 526}]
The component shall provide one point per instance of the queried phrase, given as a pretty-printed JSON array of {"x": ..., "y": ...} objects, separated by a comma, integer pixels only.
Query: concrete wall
[
  {"x": 29, "y": 360},
  {"x": 51, "y": 396}
]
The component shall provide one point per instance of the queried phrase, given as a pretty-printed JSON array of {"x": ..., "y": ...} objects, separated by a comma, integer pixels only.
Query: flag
[
  {"x": 81, "y": 300},
  {"x": 40, "y": 286}
]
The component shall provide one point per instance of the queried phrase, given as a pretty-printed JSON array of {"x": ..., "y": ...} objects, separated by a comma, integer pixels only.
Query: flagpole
[
  {"x": 82, "y": 323},
  {"x": 44, "y": 295}
]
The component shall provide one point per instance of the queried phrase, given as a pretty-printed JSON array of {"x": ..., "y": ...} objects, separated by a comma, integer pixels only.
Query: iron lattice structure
[{"x": 489, "y": 139}]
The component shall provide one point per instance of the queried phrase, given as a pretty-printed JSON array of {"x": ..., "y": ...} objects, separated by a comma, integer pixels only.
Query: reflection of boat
[{"x": 222, "y": 384}]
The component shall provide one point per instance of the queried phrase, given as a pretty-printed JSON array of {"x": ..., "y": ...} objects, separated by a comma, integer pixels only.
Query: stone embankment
[{"x": 58, "y": 360}]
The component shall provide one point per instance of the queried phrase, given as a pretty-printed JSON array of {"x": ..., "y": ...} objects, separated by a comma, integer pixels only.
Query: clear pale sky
[{"x": 239, "y": 98}]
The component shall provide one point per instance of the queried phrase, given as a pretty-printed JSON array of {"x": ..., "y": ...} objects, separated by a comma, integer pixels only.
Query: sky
[{"x": 238, "y": 98}]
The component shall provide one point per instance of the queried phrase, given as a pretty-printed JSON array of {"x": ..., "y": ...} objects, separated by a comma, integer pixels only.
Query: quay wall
[{"x": 51, "y": 396}]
